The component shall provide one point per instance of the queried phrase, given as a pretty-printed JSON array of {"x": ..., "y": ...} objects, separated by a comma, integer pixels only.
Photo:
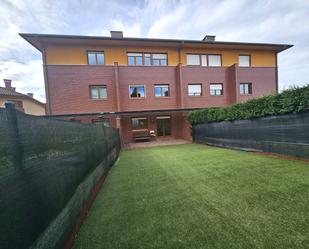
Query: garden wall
[
  {"x": 48, "y": 169},
  {"x": 282, "y": 134}
]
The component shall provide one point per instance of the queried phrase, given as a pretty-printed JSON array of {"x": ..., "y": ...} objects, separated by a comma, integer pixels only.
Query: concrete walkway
[{"x": 157, "y": 142}]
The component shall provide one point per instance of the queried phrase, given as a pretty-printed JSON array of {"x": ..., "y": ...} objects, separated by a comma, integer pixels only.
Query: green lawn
[{"x": 194, "y": 196}]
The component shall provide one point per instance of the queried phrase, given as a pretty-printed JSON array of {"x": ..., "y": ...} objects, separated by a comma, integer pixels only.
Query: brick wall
[
  {"x": 69, "y": 86},
  {"x": 69, "y": 89},
  {"x": 204, "y": 75},
  {"x": 147, "y": 76},
  {"x": 263, "y": 81}
]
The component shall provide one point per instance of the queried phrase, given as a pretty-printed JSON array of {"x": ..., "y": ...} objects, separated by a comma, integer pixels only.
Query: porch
[{"x": 155, "y": 128}]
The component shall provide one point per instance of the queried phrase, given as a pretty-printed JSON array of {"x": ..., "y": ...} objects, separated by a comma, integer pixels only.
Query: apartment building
[{"x": 149, "y": 85}]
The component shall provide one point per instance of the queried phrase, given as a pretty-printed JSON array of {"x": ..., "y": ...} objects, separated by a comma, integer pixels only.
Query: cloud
[
  {"x": 28, "y": 77},
  {"x": 231, "y": 20}
]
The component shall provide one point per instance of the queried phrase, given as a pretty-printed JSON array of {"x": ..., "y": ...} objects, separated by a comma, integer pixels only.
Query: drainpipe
[
  {"x": 45, "y": 71},
  {"x": 277, "y": 83},
  {"x": 180, "y": 84},
  {"x": 118, "y": 103},
  {"x": 116, "y": 73}
]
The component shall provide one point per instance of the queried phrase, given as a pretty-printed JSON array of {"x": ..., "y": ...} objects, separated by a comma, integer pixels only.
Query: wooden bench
[{"x": 141, "y": 135}]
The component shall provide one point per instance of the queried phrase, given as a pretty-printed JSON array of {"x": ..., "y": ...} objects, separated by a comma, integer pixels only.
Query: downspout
[
  {"x": 45, "y": 70},
  {"x": 180, "y": 81},
  {"x": 116, "y": 75},
  {"x": 277, "y": 82}
]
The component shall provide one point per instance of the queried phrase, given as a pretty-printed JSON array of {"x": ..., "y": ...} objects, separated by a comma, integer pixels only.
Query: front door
[{"x": 164, "y": 126}]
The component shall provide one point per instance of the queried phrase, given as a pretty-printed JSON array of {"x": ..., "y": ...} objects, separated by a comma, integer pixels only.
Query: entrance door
[{"x": 164, "y": 126}]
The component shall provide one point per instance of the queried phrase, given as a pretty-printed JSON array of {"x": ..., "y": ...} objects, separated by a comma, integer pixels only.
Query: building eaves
[{"x": 37, "y": 39}]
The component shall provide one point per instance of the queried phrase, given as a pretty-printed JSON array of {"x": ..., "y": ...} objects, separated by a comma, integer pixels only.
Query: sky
[{"x": 269, "y": 21}]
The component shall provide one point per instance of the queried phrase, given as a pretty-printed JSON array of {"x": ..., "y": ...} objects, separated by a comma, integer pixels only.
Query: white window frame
[
  {"x": 203, "y": 60},
  {"x": 135, "y": 56},
  {"x": 137, "y": 87},
  {"x": 96, "y": 57},
  {"x": 159, "y": 57},
  {"x": 215, "y": 90},
  {"x": 242, "y": 63},
  {"x": 249, "y": 84},
  {"x": 212, "y": 56},
  {"x": 197, "y": 56},
  {"x": 161, "y": 86},
  {"x": 97, "y": 87},
  {"x": 193, "y": 94}
]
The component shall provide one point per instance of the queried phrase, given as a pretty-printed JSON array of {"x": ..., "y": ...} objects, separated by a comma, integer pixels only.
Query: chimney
[
  {"x": 116, "y": 34},
  {"x": 8, "y": 84},
  {"x": 209, "y": 38},
  {"x": 30, "y": 95}
]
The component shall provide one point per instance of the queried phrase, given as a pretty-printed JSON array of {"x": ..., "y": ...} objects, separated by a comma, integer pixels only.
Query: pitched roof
[
  {"x": 5, "y": 91},
  {"x": 10, "y": 93},
  {"x": 39, "y": 40}
]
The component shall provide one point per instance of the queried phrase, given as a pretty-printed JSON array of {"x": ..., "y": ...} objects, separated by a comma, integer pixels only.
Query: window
[
  {"x": 159, "y": 59},
  {"x": 193, "y": 59},
  {"x": 139, "y": 123},
  {"x": 214, "y": 60},
  {"x": 197, "y": 59},
  {"x": 147, "y": 59},
  {"x": 162, "y": 90},
  {"x": 135, "y": 59},
  {"x": 195, "y": 89},
  {"x": 98, "y": 92},
  {"x": 244, "y": 60},
  {"x": 17, "y": 103},
  {"x": 216, "y": 89},
  {"x": 245, "y": 88},
  {"x": 137, "y": 91},
  {"x": 95, "y": 58},
  {"x": 203, "y": 60},
  {"x": 104, "y": 121}
]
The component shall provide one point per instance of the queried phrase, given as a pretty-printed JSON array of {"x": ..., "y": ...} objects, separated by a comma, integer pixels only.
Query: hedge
[{"x": 289, "y": 101}]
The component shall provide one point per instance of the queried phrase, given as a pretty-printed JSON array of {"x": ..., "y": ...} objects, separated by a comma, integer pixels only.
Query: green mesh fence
[
  {"x": 282, "y": 134},
  {"x": 47, "y": 169}
]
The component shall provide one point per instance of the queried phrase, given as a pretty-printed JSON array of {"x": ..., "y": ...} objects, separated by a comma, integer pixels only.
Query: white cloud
[
  {"x": 27, "y": 77},
  {"x": 230, "y": 20},
  {"x": 133, "y": 30}
]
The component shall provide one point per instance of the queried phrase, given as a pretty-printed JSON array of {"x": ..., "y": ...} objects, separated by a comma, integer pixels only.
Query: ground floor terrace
[
  {"x": 142, "y": 126},
  {"x": 197, "y": 196}
]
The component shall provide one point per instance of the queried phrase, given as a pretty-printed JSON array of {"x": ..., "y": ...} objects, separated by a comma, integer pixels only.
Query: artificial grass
[{"x": 195, "y": 196}]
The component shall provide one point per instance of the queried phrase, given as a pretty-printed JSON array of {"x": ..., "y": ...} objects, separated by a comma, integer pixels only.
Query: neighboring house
[
  {"x": 23, "y": 102},
  {"x": 150, "y": 84}
]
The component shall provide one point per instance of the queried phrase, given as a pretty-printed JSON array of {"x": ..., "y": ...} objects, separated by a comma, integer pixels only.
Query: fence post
[{"x": 17, "y": 149}]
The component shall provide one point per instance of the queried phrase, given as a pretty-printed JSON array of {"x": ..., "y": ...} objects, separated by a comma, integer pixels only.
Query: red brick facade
[{"x": 68, "y": 87}]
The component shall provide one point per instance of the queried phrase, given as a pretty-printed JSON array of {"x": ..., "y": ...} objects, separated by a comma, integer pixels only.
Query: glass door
[{"x": 164, "y": 126}]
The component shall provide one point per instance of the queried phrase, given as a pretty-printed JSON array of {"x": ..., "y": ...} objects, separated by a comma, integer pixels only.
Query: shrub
[{"x": 289, "y": 101}]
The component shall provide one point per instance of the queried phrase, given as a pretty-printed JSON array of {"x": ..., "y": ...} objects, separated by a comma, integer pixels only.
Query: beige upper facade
[
  {"x": 24, "y": 103},
  {"x": 77, "y": 55},
  {"x": 73, "y": 50}
]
